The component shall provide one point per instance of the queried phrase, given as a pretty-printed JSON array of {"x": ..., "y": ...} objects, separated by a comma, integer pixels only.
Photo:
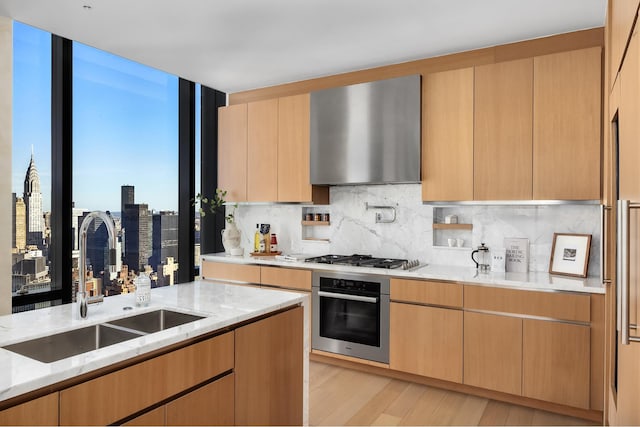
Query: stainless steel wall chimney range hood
[{"x": 367, "y": 133}]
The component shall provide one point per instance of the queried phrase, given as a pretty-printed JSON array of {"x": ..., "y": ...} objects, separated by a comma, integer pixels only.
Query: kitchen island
[{"x": 226, "y": 310}]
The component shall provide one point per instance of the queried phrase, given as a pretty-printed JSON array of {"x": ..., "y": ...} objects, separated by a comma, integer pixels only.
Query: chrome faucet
[{"x": 81, "y": 297}]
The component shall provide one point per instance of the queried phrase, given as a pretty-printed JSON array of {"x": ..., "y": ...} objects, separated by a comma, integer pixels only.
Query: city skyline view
[{"x": 125, "y": 119}]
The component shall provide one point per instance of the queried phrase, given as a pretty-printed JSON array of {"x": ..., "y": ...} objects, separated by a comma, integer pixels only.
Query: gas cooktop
[{"x": 364, "y": 261}]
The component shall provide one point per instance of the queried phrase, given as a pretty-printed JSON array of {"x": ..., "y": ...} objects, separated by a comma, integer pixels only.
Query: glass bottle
[{"x": 143, "y": 289}]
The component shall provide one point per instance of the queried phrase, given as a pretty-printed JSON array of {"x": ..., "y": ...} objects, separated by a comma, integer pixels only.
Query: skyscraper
[
  {"x": 137, "y": 244},
  {"x": 165, "y": 239},
  {"x": 19, "y": 224},
  {"x": 127, "y": 197},
  {"x": 33, "y": 203}
]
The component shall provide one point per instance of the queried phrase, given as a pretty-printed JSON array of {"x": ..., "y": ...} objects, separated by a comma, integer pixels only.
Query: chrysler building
[{"x": 33, "y": 202}]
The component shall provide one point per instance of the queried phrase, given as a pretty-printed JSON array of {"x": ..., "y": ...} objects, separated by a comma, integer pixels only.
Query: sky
[{"x": 125, "y": 125}]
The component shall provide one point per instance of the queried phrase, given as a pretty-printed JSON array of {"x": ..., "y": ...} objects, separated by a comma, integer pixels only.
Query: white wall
[
  {"x": 354, "y": 230},
  {"x": 6, "y": 101}
]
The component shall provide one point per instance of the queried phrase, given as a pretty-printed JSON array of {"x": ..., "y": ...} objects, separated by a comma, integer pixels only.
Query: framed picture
[{"x": 570, "y": 254}]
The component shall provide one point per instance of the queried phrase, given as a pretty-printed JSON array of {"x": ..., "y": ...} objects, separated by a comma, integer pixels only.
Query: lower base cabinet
[
  {"x": 426, "y": 341},
  {"x": 493, "y": 352},
  {"x": 556, "y": 362},
  {"x": 269, "y": 370}
]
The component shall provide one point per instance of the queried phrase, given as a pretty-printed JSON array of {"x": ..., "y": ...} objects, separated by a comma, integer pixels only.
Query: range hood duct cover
[{"x": 367, "y": 133}]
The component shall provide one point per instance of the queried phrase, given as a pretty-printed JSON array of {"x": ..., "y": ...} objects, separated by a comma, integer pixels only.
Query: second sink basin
[
  {"x": 71, "y": 343},
  {"x": 155, "y": 321}
]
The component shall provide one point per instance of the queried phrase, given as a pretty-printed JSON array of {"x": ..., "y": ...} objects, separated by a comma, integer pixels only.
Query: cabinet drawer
[
  {"x": 555, "y": 305},
  {"x": 112, "y": 397},
  {"x": 286, "y": 277},
  {"x": 42, "y": 411},
  {"x": 427, "y": 292},
  {"x": 227, "y": 271},
  {"x": 210, "y": 405}
]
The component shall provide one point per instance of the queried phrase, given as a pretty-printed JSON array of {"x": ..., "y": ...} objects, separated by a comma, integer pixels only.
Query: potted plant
[{"x": 231, "y": 234}]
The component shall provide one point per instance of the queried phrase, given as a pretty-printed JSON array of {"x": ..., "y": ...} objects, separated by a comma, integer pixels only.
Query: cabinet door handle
[
  {"x": 624, "y": 207},
  {"x": 603, "y": 244}
]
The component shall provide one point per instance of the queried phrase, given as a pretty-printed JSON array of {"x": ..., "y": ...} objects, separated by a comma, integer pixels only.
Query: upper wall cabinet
[
  {"x": 294, "y": 152},
  {"x": 623, "y": 14},
  {"x": 262, "y": 154},
  {"x": 502, "y": 147},
  {"x": 232, "y": 151},
  {"x": 517, "y": 130},
  {"x": 567, "y": 121},
  {"x": 447, "y": 135},
  {"x": 628, "y": 126},
  {"x": 264, "y": 150}
]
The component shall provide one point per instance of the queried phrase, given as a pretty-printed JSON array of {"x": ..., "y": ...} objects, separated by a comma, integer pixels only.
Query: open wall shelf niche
[
  {"x": 442, "y": 231},
  {"x": 315, "y": 231}
]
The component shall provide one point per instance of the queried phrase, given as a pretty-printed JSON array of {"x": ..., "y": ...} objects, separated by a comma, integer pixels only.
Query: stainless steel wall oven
[{"x": 351, "y": 315}]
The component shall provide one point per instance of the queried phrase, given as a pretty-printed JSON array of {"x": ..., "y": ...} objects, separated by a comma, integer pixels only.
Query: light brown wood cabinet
[
  {"x": 623, "y": 14},
  {"x": 493, "y": 352},
  {"x": 517, "y": 130},
  {"x": 294, "y": 152},
  {"x": 290, "y": 278},
  {"x": 140, "y": 386},
  {"x": 262, "y": 151},
  {"x": 556, "y": 362},
  {"x": 211, "y": 404},
  {"x": 447, "y": 135},
  {"x": 629, "y": 126},
  {"x": 232, "y": 152},
  {"x": 426, "y": 341},
  {"x": 268, "y": 370},
  {"x": 42, "y": 411},
  {"x": 567, "y": 119},
  {"x": 502, "y": 136},
  {"x": 228, "y": 271},
  {"x": 282, "y": 277},
  {"x": 426, "y": 292}
]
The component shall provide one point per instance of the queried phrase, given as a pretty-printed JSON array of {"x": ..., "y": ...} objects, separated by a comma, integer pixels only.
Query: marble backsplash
[{"x": 354, "y": 229}]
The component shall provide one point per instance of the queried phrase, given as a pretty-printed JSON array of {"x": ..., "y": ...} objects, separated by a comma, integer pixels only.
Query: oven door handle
[{"x": 371, "y": 300}]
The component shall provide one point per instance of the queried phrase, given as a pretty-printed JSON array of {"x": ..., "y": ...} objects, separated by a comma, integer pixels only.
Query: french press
[{"x": 482, "y": 263}]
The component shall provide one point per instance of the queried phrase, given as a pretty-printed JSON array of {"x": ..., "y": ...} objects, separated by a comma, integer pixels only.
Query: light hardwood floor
[{"x": 340, "y": 396}]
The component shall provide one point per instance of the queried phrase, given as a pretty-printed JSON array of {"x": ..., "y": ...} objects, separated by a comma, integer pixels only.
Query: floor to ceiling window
[
  {"x": 31, "y": 167},
  {"x": 121, "y": 150},
  {"x": 125, "y": 161}
]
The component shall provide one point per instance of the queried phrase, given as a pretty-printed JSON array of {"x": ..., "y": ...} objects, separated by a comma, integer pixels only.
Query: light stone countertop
[
  {"x": 222, "y": 304},
  {"x": 531, "y": 280}
]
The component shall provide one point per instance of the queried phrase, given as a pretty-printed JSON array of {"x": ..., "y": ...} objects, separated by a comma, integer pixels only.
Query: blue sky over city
[{"x": 125, "y": 125}]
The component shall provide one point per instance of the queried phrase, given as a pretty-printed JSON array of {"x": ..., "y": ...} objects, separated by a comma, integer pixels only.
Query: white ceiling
[{"x": 236, "y": 45}]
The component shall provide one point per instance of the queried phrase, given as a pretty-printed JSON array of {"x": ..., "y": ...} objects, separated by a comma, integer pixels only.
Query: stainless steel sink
[
  {"x": 71, "y": 343},
  {"x": 155, "y": 321},
  {"x": 77, "y": 341}
]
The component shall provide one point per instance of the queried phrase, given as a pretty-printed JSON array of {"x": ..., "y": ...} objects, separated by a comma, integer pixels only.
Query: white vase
[{"x": 230, "y": 237}]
